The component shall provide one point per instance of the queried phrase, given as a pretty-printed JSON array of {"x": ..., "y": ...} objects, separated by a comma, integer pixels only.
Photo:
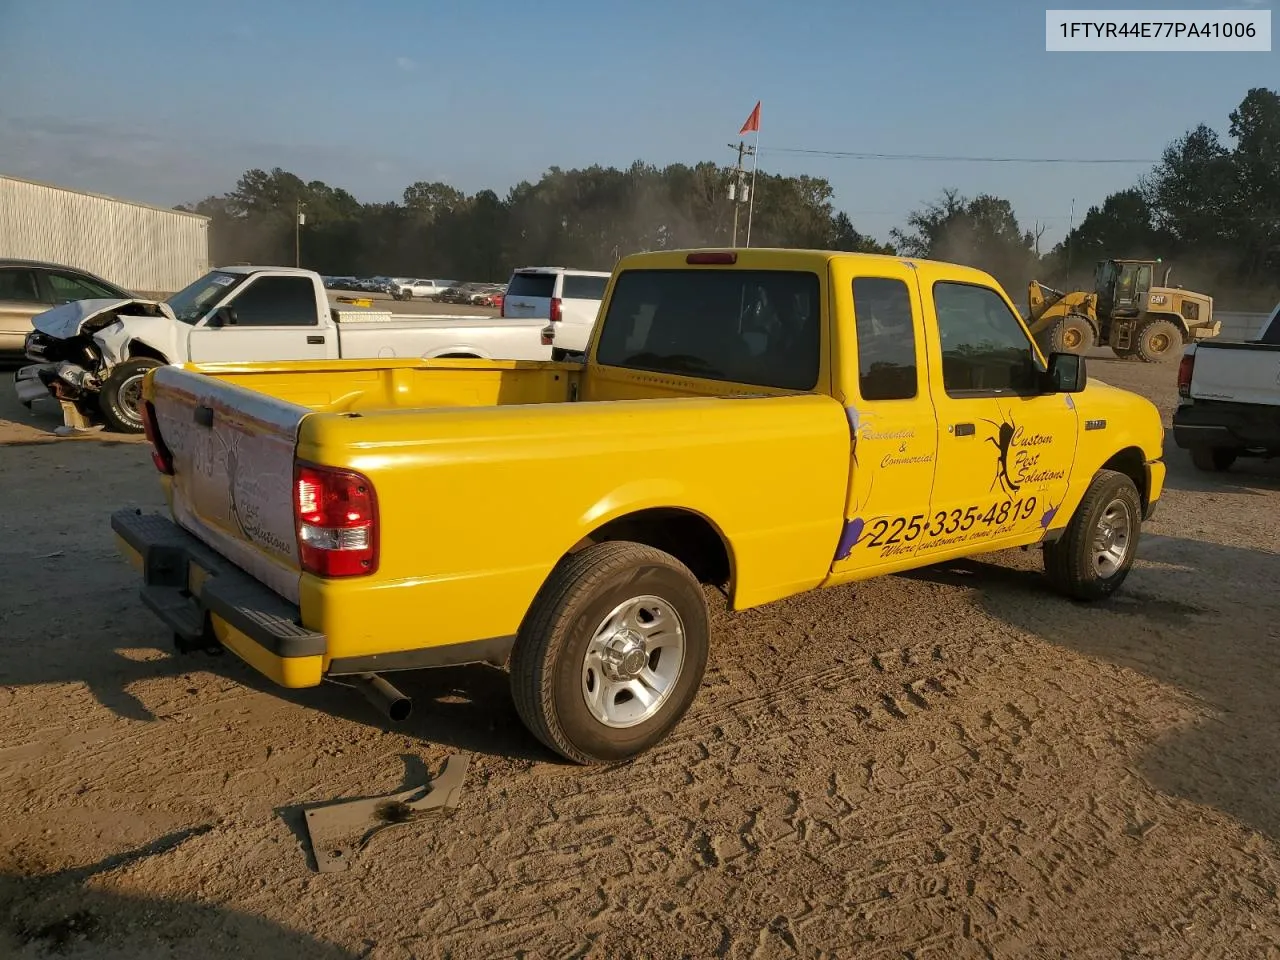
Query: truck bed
[{"x": 365, "y": 385}]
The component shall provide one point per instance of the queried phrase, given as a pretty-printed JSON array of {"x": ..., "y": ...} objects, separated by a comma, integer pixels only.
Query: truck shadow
[
  {"x": 1248, "y": 475},
  {"x": 466, "y": 708},
  {"x": 1198, "y": 616},
  {"x": 58, "y": 912}
]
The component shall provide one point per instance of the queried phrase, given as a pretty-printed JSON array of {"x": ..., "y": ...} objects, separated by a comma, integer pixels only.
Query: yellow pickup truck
[{"x": 764, "y": 421}]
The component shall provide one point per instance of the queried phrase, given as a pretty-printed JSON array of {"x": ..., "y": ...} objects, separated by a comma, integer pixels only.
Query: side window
[
  {"x": 886, "y": 339},
  {"x": 276, "y": 302},
  {"x": 19, "y": 284},
  {"x": 66, "y": 288},
  {"x": 985, "y": 351},
  {"x": 578, "y": 287}
]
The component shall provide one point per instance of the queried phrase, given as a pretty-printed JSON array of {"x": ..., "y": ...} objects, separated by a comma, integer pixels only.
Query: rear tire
[
  {"x": 611, "y": 654},
  {"x": 1157, "y": 340},
  {"x": 1213, "y": 459},
  {"x": 120, "y": 399},
  {"x": 1096, "y": 551}
]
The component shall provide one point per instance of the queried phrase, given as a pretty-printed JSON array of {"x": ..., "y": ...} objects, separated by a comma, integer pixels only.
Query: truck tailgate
[
  {"x": 1239, "y": 372},
  {"x": 233, "y": 458}
]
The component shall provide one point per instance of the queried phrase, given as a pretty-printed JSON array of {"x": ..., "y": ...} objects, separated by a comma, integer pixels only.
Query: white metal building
[{"x": 143, "y": 248}]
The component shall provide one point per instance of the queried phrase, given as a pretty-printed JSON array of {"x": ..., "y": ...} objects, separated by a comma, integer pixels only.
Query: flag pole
[{"x": 755, "y": 162}]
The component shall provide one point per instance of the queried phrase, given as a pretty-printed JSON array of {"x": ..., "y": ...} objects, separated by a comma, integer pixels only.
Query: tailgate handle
[
  {"x": 204, "y": 416},
  {"x": 315, "y": 339},
  {"x": 964, "y": 429}
]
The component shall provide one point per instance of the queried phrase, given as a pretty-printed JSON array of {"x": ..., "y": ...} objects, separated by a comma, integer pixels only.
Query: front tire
[
  {"x": 1213, "y": 459},
  {"x": 611, "y": 655},
  {"x": 1096, "y": 551},
  {"x": 120, "y": 399},
  {"x": 1071, "y": 334}
]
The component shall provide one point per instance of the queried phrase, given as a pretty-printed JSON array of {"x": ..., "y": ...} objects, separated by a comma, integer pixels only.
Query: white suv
[{"x": 568, "y": 298}]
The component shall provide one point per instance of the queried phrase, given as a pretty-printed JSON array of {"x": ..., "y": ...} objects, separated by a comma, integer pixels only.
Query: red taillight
[
  {"x": 713, "y": 256},
  {"x": 1185, "y": 369},
  {"x": 555, "y": 309},
  {"x": 337, "y": 517},
  {"x": 160, "y": 454}
]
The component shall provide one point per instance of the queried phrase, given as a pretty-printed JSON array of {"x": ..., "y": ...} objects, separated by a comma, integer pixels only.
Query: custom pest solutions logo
[{"x": 1018, "y": 455}]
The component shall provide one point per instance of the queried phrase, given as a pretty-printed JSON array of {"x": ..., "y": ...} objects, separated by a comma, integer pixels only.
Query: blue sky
[{"x": 168, "y": 102}]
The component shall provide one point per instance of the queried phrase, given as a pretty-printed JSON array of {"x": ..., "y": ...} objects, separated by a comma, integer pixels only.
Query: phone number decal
[{"x": 896, "y": 535}]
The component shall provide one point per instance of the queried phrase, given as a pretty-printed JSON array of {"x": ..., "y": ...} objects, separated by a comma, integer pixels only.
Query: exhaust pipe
[{"x": 378, "y": 691}]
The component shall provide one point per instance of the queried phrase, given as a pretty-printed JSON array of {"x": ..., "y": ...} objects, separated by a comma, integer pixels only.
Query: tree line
[{"x": 1211, "y": 209}]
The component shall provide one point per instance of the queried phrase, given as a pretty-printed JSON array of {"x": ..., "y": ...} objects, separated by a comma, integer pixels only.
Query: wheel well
[
  {"x": 457, "y": 356},
  {"x": 1133, "y": 465},
  {"x": 689, "y": 537},
  {"x": 137, "y": 349}
]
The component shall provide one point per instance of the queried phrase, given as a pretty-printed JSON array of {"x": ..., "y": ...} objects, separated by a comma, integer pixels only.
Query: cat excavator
[{"x": 1124, "y": 311}]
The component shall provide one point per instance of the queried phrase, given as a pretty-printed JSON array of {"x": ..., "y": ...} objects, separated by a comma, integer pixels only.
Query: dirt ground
[{"x": 954, "y": 763}]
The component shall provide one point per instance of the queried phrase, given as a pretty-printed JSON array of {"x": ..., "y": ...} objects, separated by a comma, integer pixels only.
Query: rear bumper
[
  {"x": 202, "y": 597},
  {"x": 205, "y": 599},
  {"x": 1215, "y": 423}
]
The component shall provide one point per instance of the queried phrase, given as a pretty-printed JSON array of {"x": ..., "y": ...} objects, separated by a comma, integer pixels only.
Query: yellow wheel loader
[{"x": 1123, "y": 311}]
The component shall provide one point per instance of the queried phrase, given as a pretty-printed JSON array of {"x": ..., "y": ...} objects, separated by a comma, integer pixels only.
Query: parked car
[
  {"x": 568, "y": 298},
  {"x": 487, "y": 295},
  {"x": 30, "y": 287},
  {"x": 96, "y": 354}
]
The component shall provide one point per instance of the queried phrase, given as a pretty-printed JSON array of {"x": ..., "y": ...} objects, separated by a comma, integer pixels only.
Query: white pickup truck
[
  {"x": 1229, "y": 398},
  {"x": 92, "y": 354}
]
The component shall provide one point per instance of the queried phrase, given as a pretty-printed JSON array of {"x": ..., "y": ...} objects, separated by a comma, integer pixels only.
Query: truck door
[
  {"x": 1005, "y": 447},
  {"x": 881, "y": 373},
  {"x": 270, "y": 317}
]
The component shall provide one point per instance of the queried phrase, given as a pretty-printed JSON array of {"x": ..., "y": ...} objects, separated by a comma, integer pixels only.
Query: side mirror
[
  {"x": 223, "y": 317},
  {"x": 1066, "y": 373}
]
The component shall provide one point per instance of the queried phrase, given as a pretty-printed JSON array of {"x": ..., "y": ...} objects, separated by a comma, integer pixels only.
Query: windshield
[{"x": 194, "y": 301}]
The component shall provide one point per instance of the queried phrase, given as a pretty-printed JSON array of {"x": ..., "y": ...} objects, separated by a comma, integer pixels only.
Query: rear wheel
[
  {"x": 120, "y": 399},
  {"x": 1213, "y": 459},
  {"x": 612, "y": 653},
  {"x": 1096, "y": 551},
  {"x": 1157, "y": 340}
]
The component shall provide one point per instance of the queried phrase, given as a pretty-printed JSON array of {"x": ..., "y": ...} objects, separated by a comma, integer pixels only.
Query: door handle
[
  {"x": 314, "y": 339},
  {"x": 964, "y": 430},
  {"x": 204, "y": 416}
]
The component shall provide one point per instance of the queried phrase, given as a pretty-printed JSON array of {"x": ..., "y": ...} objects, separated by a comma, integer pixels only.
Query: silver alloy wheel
[
  {"x": 130, "y": 397},
  {"x": 1111, "y": 538},
  {"x": 633, "y": 661}
]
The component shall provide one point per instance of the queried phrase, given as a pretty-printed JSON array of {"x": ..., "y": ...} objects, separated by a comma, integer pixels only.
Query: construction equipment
[{"x": 1124, "y": 311}]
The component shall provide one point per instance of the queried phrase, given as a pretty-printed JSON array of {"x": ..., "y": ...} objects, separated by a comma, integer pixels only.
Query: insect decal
[
  {"x": 849, "y": 537},
  {"x": 1002, "y": 441},
  {"x": 1048, "y": 517}
]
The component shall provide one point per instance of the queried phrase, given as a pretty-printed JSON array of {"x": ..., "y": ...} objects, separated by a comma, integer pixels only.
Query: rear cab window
[
  {"x": 757, "y": 327},
  {"x": 532, "y": 284}
]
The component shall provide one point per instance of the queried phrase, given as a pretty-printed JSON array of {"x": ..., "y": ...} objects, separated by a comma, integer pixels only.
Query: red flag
[{"x": 753, "y": 121}]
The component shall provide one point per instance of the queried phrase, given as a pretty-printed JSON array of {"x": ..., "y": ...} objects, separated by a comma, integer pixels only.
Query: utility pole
[
  {"x": 298, "y": 221},
  {"x": 739, "y": 192}
]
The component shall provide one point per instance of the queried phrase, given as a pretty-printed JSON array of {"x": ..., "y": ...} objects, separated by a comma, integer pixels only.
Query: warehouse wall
[
  {"x": 142, "y": 248},
  {"x": 1240, "y": 326}
]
